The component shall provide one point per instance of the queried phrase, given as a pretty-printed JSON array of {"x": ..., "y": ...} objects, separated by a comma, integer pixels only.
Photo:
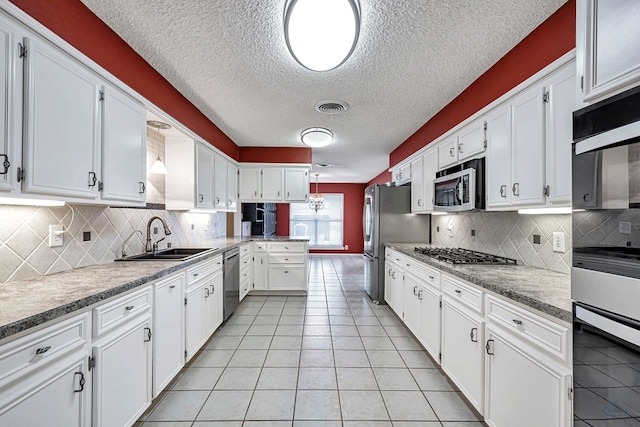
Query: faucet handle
[{"x": 155, "y": 244}]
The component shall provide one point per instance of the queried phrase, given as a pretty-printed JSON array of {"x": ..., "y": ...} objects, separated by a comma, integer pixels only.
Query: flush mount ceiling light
[
  {"x": 321, "y": 34},
  {"x": 316, "y": 137}
]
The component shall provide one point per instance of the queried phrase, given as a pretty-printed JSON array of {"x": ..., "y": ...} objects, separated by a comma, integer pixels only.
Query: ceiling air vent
[{"x": 332, "y": 107}]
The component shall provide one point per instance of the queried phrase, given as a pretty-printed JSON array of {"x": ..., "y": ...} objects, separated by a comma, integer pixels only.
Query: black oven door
[{"x": 606, "y": 368}]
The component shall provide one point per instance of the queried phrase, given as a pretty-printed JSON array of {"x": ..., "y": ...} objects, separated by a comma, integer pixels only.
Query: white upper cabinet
[
  {"x": 607, "y": 47},
  {"x": 448, "y": 152},
  {"x": 498, "y": 157},
  {"x": 123, "y": 148},
  {"x": 272, "y": 180},
  {"x": 62, "y": 124},
  {"x": 417, "y": 186},
  {"x": 232, "y": 187},
  {"x": 527, "y": 147},
  {"x": 204, "y": 177},
  {"x": 423, "y": 172},
  {"x": 471, "y": 140},
  {"x": 10, "y": 105},
  {"x": 402, "y": 175},
  {"x": 220, "y": 183},
  {"x": 296, "y": 183},
  {"x": 249, "y": 184}
]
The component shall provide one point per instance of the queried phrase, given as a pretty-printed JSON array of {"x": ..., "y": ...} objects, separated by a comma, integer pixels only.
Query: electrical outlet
[
  {"x": 346, "y": 247},
  {"x": 450, "y": 230},
  {"x": 558, "y": 241},
  {"x": 624, "y": 227},
  {"x": 56, "y": 236}
]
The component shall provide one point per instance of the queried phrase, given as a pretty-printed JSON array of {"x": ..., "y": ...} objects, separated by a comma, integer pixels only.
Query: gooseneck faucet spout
[{"x": 149, "y": 246}]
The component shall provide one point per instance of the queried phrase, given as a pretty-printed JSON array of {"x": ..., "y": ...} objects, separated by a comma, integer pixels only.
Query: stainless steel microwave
[{"x": 460, "y": 188}]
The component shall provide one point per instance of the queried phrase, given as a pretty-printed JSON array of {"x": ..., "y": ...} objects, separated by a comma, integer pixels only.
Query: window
[{"x": 324, "y": 227}]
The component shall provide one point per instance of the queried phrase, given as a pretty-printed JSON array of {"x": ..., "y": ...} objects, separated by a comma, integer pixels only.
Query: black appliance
[
  {"x": 605, "y": 277},
  {"x": 262, "y": 217},
  {"x": 464, "y": 256},
  {"x": 460, "y": 188}
]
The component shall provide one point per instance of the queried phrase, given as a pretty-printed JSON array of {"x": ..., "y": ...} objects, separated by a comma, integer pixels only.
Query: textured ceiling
[{"x": 230, "y": 59}]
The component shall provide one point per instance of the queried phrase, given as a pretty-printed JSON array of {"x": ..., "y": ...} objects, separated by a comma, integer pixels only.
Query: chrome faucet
[
  {"x": 151, "y": 247},
  {"x": 123, "y": 253}
]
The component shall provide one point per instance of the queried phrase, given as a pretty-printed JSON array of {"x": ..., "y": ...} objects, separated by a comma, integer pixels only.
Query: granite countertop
[
  {"x": 31, "y": 302},
  {"x": 544, "y": 290}
]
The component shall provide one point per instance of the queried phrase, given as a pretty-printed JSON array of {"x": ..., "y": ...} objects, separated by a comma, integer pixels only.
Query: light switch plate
[
  {"x": 56, "y": 236},
  {"x": 558, "y": 241}
]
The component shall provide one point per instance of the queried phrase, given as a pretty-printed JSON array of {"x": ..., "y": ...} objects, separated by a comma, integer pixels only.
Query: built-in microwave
[{"x": 460, "y": 188}]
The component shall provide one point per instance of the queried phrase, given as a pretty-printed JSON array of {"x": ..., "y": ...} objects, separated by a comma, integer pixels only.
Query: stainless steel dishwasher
[{"x": 231, "y": 263}]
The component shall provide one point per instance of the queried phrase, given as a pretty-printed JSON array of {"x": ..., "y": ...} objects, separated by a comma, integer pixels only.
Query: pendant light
[
  {"x": 157, "y": 167},
  {"x": 321, "y": 34},
  {"x": 316, "y": 201}
]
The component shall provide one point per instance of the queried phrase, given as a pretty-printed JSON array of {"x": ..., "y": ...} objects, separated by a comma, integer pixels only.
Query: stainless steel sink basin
[{"x": 173, "y": 254}]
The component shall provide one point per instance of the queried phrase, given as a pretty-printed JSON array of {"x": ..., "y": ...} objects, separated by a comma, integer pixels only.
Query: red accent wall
[
  {"x": 353, "y": 202},
  {"x": 275, "y": 154},
  {"x": 74, "y": 22},
  {"x": 549, "y": 41},
  {"x": 383, "y": 178}
]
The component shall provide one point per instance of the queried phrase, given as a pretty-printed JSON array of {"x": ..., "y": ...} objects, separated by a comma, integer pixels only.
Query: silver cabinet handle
[
  {"x": 451, "y": 152},
  {"x": 148, "y": 334},
  {"x": 489, "y": 348},
  {"x": 42, "y": 350},
  {"x": 517, "y": 322},
  {"x": 431, "y": 278},
  {"x": 503, "y": 191},
  {"x": 460, "y": 150},
  {"x": 141, "y": 187},
  {"x": 420, "y": 294},
  {"x": 473, "y": 335},
  {"x": 458, "y": 291},
  {"x": 213, "y": 290},
  {"x": 217, "y": 200},
  {"x": 172, "y": 286},
  {"x": 129, "y": 308},
  {"x": 200, "y": 198},
  {"x": 195, "y": 274},
  {"x": 206, "y": 292},
  {"x": 415, "y": 290},
  {"x": 419, "y": 202},
  {"x": 516, "y": 189}
]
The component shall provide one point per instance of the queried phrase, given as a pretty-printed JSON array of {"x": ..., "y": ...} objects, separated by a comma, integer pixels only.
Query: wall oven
[
  {"x": 605, "y": 276},
  {"x": 460, "y": 188}
]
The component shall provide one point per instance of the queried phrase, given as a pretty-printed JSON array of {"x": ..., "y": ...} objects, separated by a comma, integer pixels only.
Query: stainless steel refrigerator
[{"x": 387, "y": 218}]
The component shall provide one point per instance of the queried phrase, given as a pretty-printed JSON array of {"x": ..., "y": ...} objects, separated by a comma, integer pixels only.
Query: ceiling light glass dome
[
  {"x": 316, "y": 137},
  {"x": 321, "y": 34}
]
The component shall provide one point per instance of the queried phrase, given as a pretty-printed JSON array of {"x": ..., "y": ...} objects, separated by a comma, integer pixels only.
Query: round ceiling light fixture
[
  {"x": 316, "y": 137},
  {"x": 323, "y": 165},
  {"x": 321, "y": 34}
]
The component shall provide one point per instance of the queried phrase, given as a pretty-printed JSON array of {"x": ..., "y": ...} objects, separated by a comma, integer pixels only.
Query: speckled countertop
[
  {"x": 543, "y": 290},
  {"x": 28, "y": 303}
]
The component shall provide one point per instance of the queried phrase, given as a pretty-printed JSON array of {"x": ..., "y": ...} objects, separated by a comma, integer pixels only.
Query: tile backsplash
[
  {"x": 24, "y": 230},
  {"x": 507, "y": 234},
  {"x": 607, "y": 228}
]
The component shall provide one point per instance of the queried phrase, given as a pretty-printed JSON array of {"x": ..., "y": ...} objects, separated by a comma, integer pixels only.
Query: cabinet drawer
[
  {"x": 395, "y": 257},
  {"x": 245, "y": 250},
  {"x": 259, "y": 247},
  {"x": 287, "y": 277},
  {"x": 111, "y": 315},
  {"x": 287, "y": 247},
  {"x": 462, "y": 292},
  {"x": 246, "y": 274},
  {"x": 245, "y": 262},
  {"x": 286, "y": 259},
  {"x": 542, "y": 332},
  {"x": 423, "y": 272},
  {"x": 40, "y": 348},
  {"x": 203, "y": 269}
]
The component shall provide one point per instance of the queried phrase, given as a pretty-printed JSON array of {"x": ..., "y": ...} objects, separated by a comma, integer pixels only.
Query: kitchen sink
[{"x": 173, "y": 254}]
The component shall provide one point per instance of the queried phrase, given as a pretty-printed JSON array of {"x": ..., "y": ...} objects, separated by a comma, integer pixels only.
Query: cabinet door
[
  {"x": 296, "y": 182},
  {"x": 220, "y": 183},
  {"x": 471, "y": 140},
  {"x": 521, "y": 389},
  {"x": 429, "y": 169},
  {"x": 232, "y": 187},
  {"x": 10, "y": 105},
  {"x": 204, "y": 177},
  {"x": 215, "y": 300},
  {"x": 498, "y": 161},
  {"x": 260, "y": 279},
  {"x": 123, "y": 148},
  {"x": 559, "y": 134},
  {"x": 388, "y": 283},
  {"x": 609, "y": 46},
  {"x": 429, "y": 332},
  {"x": 122, "y": 375},
  {"x": 62, "y": 124},
  {"x": 272, "y": 184},
  {"x": 287, "y": 277},
  {"x": 417, "y": 186},
  {"x": 168, "y": 331},
  {"x": 527, "y": 143},
  {"x": 196, "y": 331},
  {"x": 397, "y": 294},
  {"x": 249, "y": 184},
  {"x": 54, "y": 396},
  {"x": 448, "y": 152},
  {"x": 411, "y": 304},
  {"x": 463, "y": 351}
]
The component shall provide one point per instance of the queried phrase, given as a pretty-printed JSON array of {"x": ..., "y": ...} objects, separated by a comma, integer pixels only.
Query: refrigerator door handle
[{"x": 366, "y": 219}]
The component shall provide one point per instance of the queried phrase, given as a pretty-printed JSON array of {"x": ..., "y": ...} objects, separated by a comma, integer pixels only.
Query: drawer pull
[
  {"x": 420, "y": 294},
  {"x": 473, "y": 335},
  {"x": 408, "y": 265},
  {"x": 213, "y": 289},
  {"x": 286, "y": 271},
  {"x": 129, "y": 307},
  {"x": 286, "y": 259},
  {"x": 81, "y": 382},
  {"x": 458, "y": 291},
  {"x": 42, "y": 350},
  {"x": 517, "y": 322},
  {"x": 489, "y": 347},
  {"x": 148, "y": 334},
  {"x": 195, "y": 274},
  {"x": 415, "y": 290},
  {"x": 431, "y": 278},
  {"x": 172, "y": 286},
  {"x": 206, "y": 292},
  {"x": 286, "y": 247}
]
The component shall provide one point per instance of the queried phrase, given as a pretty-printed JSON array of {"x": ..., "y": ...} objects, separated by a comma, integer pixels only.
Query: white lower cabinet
[
  {"x": 203, "y": 312},
  {"x": 393, "y": 287},
  {"x": 523, "y": 387},
  {"x": 411, "y": 304},
  {"x": 168, "y": 331},
  {"x": 463, "y": 351},
  {"x": 287, "y": 266},
  {"x": 260, "y": 272},
  {"x": 429, "y": 331}
]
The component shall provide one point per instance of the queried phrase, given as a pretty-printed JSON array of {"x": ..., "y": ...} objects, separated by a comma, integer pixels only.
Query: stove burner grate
[{"x": 464, "y": 256}]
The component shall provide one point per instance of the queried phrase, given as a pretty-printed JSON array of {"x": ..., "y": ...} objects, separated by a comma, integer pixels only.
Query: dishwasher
[{"x": 231, "y": 278}]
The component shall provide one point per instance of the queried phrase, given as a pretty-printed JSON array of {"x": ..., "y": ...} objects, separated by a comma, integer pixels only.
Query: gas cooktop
[{"x": 464, "y": 256}]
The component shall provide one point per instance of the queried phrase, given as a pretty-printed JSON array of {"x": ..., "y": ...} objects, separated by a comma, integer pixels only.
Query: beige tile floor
[{"x": 329, "y": 359}]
